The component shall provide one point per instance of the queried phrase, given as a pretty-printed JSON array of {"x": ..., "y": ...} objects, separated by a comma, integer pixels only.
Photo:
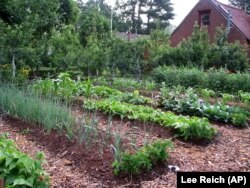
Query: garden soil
[{"x": 71, "y": 165}]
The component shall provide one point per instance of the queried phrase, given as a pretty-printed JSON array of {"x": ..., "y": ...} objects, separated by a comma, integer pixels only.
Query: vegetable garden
[
  {"x": 123, "y": 133},
  {"x": 82, "y": 104}
]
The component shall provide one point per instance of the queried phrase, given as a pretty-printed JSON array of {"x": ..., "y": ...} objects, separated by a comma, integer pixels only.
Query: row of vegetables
[
  {"x": 175, "y": 99},
  {"x": 67, "y": 88},
  {"x": 189, "y": 103},
  {"x": 186, "y": 127}
]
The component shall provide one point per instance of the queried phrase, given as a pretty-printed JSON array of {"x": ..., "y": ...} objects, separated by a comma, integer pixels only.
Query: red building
[{"x": 214, "y": 14}]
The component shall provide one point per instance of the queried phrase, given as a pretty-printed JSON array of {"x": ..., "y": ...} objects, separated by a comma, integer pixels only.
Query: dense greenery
[
  {"x": 78, "y": 36},
  {"x": 217, "y": 80},
  {"x": 190, "y": 103},
  {"x": 197, "y": 51},
  {"x": 19, "y": 170}
]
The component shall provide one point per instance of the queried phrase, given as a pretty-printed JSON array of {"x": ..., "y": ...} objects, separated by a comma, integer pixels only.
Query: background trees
[
  {"x": 64, "y": 35},
  {"x": 142, "y": 16},
  {"x": 243, "y": 4}
]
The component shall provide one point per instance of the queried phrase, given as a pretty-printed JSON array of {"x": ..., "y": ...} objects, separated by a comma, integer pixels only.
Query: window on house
[{"x": 204, "y": 18}]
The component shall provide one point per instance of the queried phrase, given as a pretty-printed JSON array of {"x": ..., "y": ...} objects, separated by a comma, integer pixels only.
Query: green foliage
[
  {"x": 159, "y": 46},
  {"x": 244, "y": 96},
  {"x": 63, "y": 87},
  {"x": 95, "y": 55},
  {"x": 196, "y": 51},
  {"x": 217, "y": 80},
  {"x": 232, "y": 56},
  {"x": 203, "y": 129},
  {"x": 195, "y": 129},
  {"x": 127, "y": 84},
  {"x": 239, "y": 119},
  {"x": 190, "y": 103},
  {"x": 92, "y": 22},
  {"x": 136, "y": 162},
  {"x": 34, "y": 109},
  {"x": 18, "y": 169},
  {"x": 65, "y": 48},
  {"x": 158, "y": 14},
  {"x": 69, "y": 12}
]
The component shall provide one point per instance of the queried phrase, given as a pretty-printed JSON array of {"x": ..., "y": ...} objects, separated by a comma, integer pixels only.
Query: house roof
[
  {"x": 239, "y": 17},
  {"x": 130, "y": 36}
]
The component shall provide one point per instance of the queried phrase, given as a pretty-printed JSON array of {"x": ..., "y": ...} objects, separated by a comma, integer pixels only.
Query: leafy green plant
[
  {"x": 189, "y": 103},
  {"x": 18, "y": 169},
  {"x": 239, "y": 119},
  {"x": 149, "y": 114},
  {"x": 135, "y": 162},
  {"x": 87, "y": 88},
  {"x": 244, "y": 96},
  {"x": 207, "y": 93},
  {"x": 227, "y": 97}
]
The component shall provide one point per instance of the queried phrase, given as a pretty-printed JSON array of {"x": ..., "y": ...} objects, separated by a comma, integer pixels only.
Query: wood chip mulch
[{"x": 229, "y": 151}]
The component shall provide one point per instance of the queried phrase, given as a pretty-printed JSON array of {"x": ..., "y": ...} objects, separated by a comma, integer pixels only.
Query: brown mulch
[{"x": 72, "y": 165}]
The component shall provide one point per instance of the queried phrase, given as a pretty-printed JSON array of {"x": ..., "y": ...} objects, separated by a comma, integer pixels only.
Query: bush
[
  {"x": 197, "y": 51},
  {"x": 219, "y": 80}
]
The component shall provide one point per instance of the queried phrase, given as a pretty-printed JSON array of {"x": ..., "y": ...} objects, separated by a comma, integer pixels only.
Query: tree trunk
[
  {"x": 138, "y": 67},
  {"x": 13, "y": 66},
  {"x": 133, "y": 18},
  {"x": 1, "y": 183}
]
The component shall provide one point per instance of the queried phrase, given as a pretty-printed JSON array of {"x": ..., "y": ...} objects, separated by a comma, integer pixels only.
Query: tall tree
[
  {"x": 243, "y": 4},
  {"x": 29, "y": 26},
  {"x": 159, "y": 12},
  {"x": 128, "y": 10},
  {"x": 92, "y": 21},
  {"x": 69, "y": 12},
  {"x": 136, "y": 12}
]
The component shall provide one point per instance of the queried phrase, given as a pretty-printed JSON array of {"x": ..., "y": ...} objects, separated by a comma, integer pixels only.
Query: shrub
[{"x": 197, "y": 51}]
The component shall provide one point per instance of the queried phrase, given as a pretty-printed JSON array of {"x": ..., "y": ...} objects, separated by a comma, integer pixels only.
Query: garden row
[
  {"x": 127, "y": 84},
  {"x": 186, "y": 127},
  {"x": 176, "y": 99},
  {"x": 67, "y": 88},
  {"x": 53, "y": 114},
  {"x": 217, "y": 80},
  {"x": 189, "y": 103}
]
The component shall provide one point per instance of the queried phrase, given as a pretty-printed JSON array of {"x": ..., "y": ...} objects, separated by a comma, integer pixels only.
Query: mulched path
[{"x": 72, "y": 165}]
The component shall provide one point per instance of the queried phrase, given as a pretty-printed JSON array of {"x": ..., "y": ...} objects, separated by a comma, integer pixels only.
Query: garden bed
[{"x": 71, "y": 165}]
